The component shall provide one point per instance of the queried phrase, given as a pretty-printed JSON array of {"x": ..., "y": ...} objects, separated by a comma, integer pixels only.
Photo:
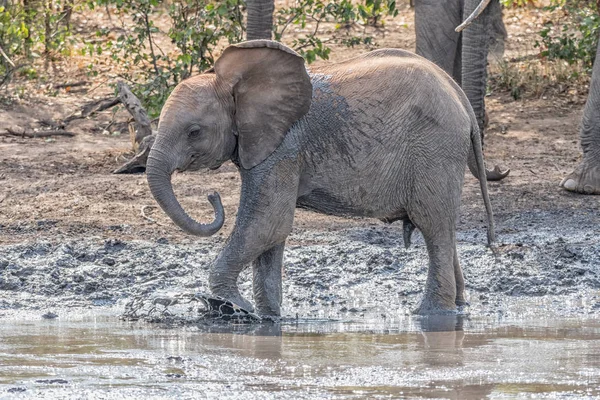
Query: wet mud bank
[{"x": 543, "y": 263}]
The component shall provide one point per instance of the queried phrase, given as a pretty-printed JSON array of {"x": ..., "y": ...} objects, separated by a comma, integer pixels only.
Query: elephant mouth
[{"x": 194, "y": 164}]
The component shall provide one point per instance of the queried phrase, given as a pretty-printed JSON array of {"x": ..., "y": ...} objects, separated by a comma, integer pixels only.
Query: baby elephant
[{"x": 385, "y": 135}]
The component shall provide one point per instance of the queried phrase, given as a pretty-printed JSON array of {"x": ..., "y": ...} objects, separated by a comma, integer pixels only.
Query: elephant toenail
[
  {"x": 588, "y": 189},
  {"x": 570, "y": 184}
]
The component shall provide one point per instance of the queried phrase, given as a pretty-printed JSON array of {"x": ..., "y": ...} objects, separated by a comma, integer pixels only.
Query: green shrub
[{"x": 574, "y": 36}]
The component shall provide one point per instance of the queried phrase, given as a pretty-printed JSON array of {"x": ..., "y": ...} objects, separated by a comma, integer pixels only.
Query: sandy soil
[{"x": 71, "y": 233}]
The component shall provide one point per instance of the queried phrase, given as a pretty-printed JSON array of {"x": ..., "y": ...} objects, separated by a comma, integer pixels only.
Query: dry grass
[{"x": 534, "y": 77}]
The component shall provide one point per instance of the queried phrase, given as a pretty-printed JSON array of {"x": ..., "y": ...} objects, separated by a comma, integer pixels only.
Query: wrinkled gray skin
[
  {"x": 437, "y": 40},
  {"x": 385, "y": 135},
  {"x": 259, "y": 23},
  {"x": 585, "y": 178}
]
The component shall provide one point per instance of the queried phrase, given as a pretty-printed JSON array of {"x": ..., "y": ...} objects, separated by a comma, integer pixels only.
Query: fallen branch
[
  {"x": 138, "y": 163},
  {"x": 92, "y": 108},
  {"x": 143, "y": 126},
  {"x": 39, "y": 134},
  {"x": 69, "y": 85}
]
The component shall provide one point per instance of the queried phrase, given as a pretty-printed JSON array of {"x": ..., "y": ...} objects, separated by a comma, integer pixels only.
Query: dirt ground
[{"x": 59, "y": 200}]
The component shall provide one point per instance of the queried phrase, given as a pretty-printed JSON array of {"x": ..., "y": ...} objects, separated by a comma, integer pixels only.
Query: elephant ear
[{"x": 271, "y": 90}]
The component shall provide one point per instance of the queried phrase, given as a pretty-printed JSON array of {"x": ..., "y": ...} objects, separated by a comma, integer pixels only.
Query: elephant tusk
[{"x": 474, "y": 14}]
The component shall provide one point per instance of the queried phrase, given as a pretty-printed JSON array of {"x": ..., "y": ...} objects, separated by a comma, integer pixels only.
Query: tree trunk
[{"x": 259, "y": 24}]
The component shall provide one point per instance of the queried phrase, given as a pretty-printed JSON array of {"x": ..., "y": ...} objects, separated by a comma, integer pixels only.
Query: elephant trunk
[
  {"x": 260, "y": 19},
  {"x": 159, "y": 170},
  {"x": 474, "y": 61}
]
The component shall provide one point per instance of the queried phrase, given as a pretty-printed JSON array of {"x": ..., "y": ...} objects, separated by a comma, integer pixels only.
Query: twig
[
  {"x": 67, "y": 85},
  {"x": 12, "y": 64},
  {"x": 143, "y": 213},
  {"x": 10, "y": 73},
  {"x": 33, "y": 134},
  {"x": 97, "y": 86}
]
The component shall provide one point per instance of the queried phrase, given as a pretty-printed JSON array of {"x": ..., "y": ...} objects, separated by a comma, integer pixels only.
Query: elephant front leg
[
  {"x": 265, "y": 218},
  {"x": 226, "y": 270},
  {"x": 267, "y": 270},
  {"x": 585, "y": 179}
]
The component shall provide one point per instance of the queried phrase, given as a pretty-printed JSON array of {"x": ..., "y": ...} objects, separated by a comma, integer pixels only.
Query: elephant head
[{"x": 241, "y": 110}]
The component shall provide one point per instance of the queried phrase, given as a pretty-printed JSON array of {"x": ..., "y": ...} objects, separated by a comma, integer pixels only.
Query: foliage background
[{"x": 36, "y": 33}]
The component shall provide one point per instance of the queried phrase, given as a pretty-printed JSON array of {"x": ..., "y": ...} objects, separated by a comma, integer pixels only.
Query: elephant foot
[
  {"x": 496, "y": 174},
  {"x": 435, "y": 306},
  {"x": 585, "y": 179},
  {"x": 461, "y": 302},
  {"x": 235, "y": 298},
  {"x": 268, "y": 311},
  {"x": 218, "y": 307}
]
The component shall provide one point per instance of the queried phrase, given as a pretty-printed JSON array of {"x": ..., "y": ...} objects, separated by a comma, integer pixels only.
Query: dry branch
[
  {"x": 33, "y": 134},
  {"x": 138, "y": 163},
  {"x": 12, "y": 64},
  {"x": 93, "y": 107},
  {"x": 143, "y": 126},
  {"x": 68, "y": 85}
]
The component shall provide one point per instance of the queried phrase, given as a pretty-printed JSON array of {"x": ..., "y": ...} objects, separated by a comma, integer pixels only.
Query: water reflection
[{"x": 447, "y": 356}]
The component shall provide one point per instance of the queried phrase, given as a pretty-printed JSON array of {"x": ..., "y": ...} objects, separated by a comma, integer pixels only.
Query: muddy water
[{"x": 99, "y": 356}]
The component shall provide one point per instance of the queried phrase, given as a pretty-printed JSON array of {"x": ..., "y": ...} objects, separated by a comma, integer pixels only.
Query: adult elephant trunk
[
  {"x": 159, "y": 170},
  {"x": 474, "y": 59},
  {"x": 260, "y": 19},
  {"x": 475, "y": 44}
]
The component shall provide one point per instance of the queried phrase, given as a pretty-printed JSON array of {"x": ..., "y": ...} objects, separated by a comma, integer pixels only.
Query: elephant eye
[{"x": 194, "y": 133}]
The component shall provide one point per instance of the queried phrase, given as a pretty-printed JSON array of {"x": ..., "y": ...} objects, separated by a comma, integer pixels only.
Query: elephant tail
[{"x": 477, "y": 168}]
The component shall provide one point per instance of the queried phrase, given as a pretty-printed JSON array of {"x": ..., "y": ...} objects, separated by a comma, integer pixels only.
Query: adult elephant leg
[
  {"x": 437, "y": 41},
  {"x": 475, "y": 43},
  {"x": 586, "y": 177},
  {"x": 259, "y": 24},
  {"x": 267, "y": 270}
]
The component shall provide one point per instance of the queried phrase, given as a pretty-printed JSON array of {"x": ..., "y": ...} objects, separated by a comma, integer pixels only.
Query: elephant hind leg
[
  {"x": 460, "y": 282},
  {"x": 433, "y": 208},
  {"x": 440, "y": 294},
  {"x": 267, "y": 271}
]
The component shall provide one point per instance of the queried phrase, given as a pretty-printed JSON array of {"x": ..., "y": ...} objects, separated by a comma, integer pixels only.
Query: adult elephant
[
  {"x": 585, "y": 178},
  {"x": 463, "y": 55}
]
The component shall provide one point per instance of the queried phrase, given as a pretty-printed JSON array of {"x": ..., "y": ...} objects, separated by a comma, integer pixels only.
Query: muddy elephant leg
[
  {"x": 267, "y": 270},
  {"x": 460, "y": 282},
  {"x": 264, "y": 220},
  {"x": 439, "y": 296},
  {"x": 224, "y": 273},
  {"x": 433, "y": 208}
]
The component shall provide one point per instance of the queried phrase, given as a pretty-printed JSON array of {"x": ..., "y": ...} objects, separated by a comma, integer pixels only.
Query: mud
[{"x": 551, "y": 265}]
